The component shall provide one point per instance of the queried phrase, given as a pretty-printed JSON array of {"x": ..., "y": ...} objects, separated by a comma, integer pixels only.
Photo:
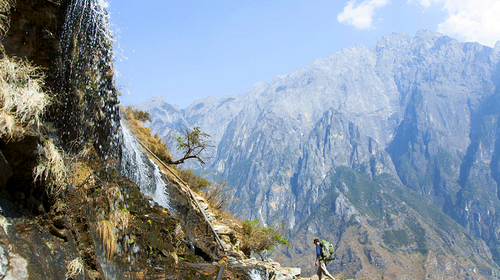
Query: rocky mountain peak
[{"x": 160, "y": 102}]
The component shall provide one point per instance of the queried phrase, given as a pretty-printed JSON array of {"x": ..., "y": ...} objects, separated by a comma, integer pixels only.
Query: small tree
[
  {"x": 218, "y": 195},
  {"x": 192, "y": 143}
]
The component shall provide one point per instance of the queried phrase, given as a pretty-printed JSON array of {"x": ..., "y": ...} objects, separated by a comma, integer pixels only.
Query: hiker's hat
[{"x": 316, "y": 240}]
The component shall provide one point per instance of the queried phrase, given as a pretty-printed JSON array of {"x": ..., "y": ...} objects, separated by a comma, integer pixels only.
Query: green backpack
[{"x": 327, "y": 250}]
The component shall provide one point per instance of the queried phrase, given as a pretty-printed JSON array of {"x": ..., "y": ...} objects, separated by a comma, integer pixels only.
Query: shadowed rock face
[
  {"x": 31, "y": 34},
  {"x": 5, "y": 171},
  {"x": 415, "y": 114},
  {"x": 79, "y": 80},
  {"x": 46, "y": 232},
  {"x": 33, "y": 30}
]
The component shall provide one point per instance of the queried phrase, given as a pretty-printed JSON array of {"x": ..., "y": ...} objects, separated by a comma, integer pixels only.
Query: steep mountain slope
[{"x": 409, "y": 114}]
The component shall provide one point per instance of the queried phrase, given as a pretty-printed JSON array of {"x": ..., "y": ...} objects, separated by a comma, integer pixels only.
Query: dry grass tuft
[
  {"x": 22, "y": 99},
  {"x": 51, "y": 168},
  {"x": 74, "y": 267},
  {"x": 5, "y": 6},
  {"x": 174, "y": 256},
  {"x": 108, "y": 237}
]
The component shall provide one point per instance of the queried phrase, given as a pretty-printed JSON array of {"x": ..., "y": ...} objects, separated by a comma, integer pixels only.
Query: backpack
[{"x": 327, "y": 250}]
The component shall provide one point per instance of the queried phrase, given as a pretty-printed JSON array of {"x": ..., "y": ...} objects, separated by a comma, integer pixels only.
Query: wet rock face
[
  {"x": 83, "y": 80},
  {"x": 39, "y": 248},
  {"x": 43, "y": 235},
  {"x": 5, "y": 171},
  {"x": 42, "y": 232},
  {"x": 32, "y": 33},
  {"x": 198, "y": 233}
]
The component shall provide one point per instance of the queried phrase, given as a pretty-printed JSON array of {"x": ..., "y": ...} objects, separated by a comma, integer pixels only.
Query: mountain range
[{"x": 391, "y": 152}]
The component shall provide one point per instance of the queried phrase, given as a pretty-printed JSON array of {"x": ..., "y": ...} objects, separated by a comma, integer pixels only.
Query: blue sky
[{"x": 186, "y": 50}]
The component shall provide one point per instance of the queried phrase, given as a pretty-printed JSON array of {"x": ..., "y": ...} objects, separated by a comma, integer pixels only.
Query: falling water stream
[
  {"x": 137, "y": 166},
  {"x": 84, "y": 79}
]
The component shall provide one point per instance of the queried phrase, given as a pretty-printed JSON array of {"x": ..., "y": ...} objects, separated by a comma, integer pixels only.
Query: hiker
[{"x": 322, "y": 262}]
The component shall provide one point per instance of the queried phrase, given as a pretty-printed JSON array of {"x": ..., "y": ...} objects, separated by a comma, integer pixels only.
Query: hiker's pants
[{"x": 322, "y": 269}]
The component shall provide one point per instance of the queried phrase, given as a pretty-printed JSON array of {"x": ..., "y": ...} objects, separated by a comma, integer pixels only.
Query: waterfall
[
  {"x": 141, "y": 170},
  {"x": 88, "y": 109},
  {"x": 160, "y": 194}
]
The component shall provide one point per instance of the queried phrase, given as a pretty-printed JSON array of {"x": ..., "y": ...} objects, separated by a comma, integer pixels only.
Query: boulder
[
  {"x": 222, "y": 229},
  {"x": 17, "y": 268}
]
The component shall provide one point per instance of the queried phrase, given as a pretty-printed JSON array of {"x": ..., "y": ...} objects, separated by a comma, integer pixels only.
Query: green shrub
[
  {"x": 195, "y": 181},
  {"x": 257, "y": 239}
]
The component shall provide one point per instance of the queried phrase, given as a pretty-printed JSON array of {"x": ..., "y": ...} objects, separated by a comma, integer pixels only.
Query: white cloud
[
  {"x": 471, "y": 20},
  {"x": 360, "y": 15}
]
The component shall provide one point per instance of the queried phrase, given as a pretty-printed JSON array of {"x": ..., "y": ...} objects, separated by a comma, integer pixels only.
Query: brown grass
[
  {"x": 80, "y": 175},
  {"x": 51, "y": 168},
  {"x": 218, "y": 196},
  {"x": 5, "y": 6},
  {"x": 139, "y": 115},
  {"x": 108, "y": 237},
  {"x": 22, "y": 100}
]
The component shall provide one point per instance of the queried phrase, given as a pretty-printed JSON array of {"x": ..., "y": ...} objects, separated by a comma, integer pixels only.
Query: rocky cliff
[
  {"x": 73, "y": 202},
  {"x": 409, "y": 123}
]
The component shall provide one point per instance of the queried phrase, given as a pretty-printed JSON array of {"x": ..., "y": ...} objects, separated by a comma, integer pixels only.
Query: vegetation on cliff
[
  {"x": 23, "y": 103},
  {"x": 254, "y": 238},
  {"x": 22, "y": 100}
]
